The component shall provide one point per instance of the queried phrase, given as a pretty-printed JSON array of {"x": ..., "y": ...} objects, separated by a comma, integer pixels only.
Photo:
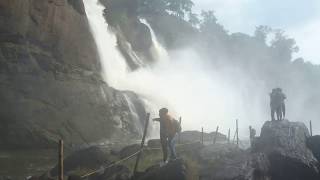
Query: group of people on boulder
[{"x": 277, "y": 105}]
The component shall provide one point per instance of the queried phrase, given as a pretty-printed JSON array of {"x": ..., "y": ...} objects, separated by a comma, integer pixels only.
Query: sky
[{"x": 298, "y": 18}]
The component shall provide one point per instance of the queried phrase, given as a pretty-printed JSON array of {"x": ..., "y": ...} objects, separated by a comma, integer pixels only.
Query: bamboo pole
[
  {"x": 61, "y": 160},
  {"x": 237, "y": 126},
  {"x": 229, "y": 135},
  {"x": 310, "y": 124},
  {"x": 179, "y": 136},
  {"x": 142, "y": 143},
  {"x": 250, "y": 135},
  {"x": 202, "y": 135},
  {"x": 215, "y": 136}
]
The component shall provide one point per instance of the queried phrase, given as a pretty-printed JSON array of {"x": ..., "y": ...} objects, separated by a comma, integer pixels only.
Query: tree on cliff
[
  {"x": 283, "y": 47},
  {"x": 178, "y": 8}
]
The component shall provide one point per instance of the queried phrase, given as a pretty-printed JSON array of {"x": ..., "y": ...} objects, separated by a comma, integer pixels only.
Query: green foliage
[
  {"x": 210, "y": 25},
  {"x": 194, "y": 19},
  {"x": 179, "y": 8},
  {"x": 262, "y": 32},
  {"x": 283, "y": 47}
]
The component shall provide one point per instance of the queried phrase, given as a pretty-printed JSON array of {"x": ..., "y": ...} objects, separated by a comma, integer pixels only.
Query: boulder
[
  {"x": 285, "y": 144},
  {"x": 227, "y": 162},
  {"x": 117, "y": 172},
  {"x": 90, "y": 158},
  {"x": 313, "y": 144},
  {"x": 175, "y": 170},
  {"x": 129, "y": 150}
]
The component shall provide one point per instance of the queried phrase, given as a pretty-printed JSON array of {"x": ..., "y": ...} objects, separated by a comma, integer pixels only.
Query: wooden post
[
  {"x": 250, "y": 134},
  {"x": 215, "y": 136},
  {"x": 60, "y": 160},
  {"x": 229, "y": 135},
  {"x": 142, "y": 143},
  {"x": 310, "y": 124},
  {"x": 179, "y": 137},
  {"x": 202, "y": 135},
  {"x": 237, "y": 132}
]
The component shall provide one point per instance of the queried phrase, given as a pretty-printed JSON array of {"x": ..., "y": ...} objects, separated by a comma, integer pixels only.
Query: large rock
[
  {"x": 50, "y": 83},
  {"x": 90, "y": 158},
  {"x": 176, "y": 170},
  {"x": 284, "y": 143},
  {"x": 313, "y": 144},
  {"x": 227, "y": 162}
]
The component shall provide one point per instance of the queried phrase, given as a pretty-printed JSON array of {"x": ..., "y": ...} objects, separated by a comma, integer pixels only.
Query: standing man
[
  {"x": 273, "y": 103},
  {"x": 282, "y": 98},
  {"x": 169, "y": 127}
]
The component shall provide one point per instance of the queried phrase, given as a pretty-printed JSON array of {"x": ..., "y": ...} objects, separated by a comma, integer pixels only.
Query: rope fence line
[
  {"x": 142, "y": 147},
  {"x": 129, "y": 157},
  {"x": 112, "y": 164}
]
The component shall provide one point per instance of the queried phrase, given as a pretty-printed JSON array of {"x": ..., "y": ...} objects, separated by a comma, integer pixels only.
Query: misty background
[{"x": 209, "y": 74}]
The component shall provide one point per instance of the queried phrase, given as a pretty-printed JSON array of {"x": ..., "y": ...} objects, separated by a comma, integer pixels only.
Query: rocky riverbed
[{"x": 281, "y": 152}]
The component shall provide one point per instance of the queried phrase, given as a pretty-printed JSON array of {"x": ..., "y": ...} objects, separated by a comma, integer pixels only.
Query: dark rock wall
[{"x": 50, "y": 84}]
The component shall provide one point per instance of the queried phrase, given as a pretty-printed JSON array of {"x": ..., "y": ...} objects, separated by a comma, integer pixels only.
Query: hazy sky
[{"x": 299, "y": 18}]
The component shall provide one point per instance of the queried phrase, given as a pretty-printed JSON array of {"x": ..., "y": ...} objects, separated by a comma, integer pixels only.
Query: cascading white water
[
  {"x": 114, "y": 66},
  {"x": 157, "y": 49},
  {"x": 134, "y": 114},
  {"x": 183, "y": 82}
]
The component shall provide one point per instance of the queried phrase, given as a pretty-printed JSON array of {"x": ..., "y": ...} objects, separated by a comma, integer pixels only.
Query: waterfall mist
[{"x": 185, "y": 82}]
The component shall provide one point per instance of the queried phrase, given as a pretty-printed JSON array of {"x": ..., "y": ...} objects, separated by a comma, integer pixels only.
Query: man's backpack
[{"x": 176, "y": 125}]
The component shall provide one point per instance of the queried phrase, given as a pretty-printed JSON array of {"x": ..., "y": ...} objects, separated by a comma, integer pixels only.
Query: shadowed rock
[
  {"x": 90, "y": 158},
  {"x": 284, "y": 143},
  {"x": 313, "y": 144},
  {"x": 175, "y": 170}
]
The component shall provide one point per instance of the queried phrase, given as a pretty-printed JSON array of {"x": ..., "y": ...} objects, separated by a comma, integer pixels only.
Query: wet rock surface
[{"x": 50, "y": 83}]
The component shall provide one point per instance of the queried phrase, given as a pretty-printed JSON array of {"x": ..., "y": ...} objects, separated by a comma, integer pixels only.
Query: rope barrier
[
  {"x": 129, "y": 157},
  {"x": 112, "y": 164}
]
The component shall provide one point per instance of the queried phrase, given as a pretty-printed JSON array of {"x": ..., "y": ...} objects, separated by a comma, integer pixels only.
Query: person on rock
[
  {"x": 277, "y": 104},
  {"x": 168, "y": 130}
]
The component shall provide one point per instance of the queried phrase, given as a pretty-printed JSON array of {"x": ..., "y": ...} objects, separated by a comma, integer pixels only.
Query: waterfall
[
  {"x": 183, "y": 82},
  {"x": 114, "y": 67},
  {"x": 158, "y": 51}
]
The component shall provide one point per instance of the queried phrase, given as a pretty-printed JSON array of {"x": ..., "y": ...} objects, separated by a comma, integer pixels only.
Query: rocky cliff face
[{"x": 50, "y": 84}]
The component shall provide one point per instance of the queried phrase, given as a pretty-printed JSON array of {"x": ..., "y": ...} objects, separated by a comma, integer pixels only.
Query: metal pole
[
  {"x": 229, "y": 135},
  {"x": 310, "y": 124},
  {"x": 202, "y": 135},
  {"x": 215, "y": 136},
  {"x": 179, "y": 137},
  {"x": 237, "y": 132},
  {"x": 60, "y": 159},
  {"x": 142, "y": 143}
]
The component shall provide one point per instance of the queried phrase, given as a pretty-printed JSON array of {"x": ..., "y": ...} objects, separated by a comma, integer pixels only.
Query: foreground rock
[
  {"x": 227, "y": 162},
  {"x": 90, "y": 158},
  {"x": 176, "y": 170},
  {"x": 313, "y": 144},
  {"x": 284, "y": 143}
]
